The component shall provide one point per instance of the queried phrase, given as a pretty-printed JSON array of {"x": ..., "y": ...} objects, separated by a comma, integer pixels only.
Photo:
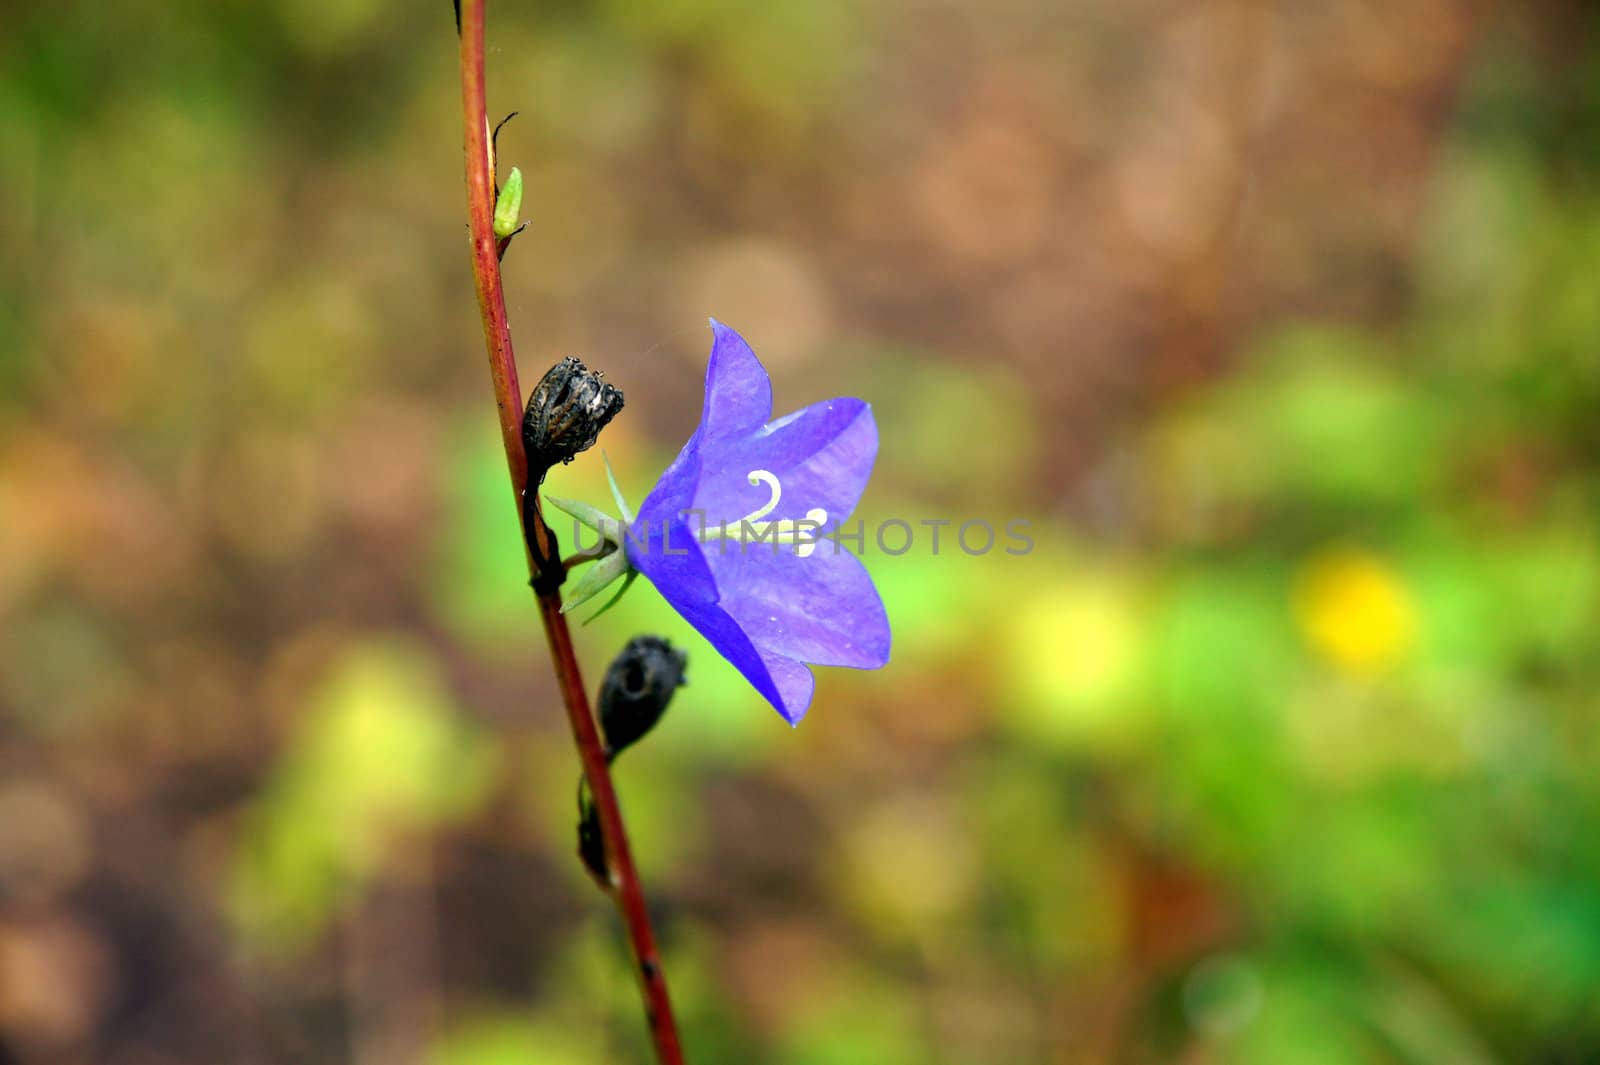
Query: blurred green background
[{"x": 1280, "y": 323}]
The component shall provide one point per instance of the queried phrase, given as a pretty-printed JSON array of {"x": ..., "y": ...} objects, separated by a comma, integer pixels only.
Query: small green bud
[{"x": 508, "y": 208}]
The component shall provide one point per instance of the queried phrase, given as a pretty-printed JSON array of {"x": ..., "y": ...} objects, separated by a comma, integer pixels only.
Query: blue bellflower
[{"x": 731, "y": 535}]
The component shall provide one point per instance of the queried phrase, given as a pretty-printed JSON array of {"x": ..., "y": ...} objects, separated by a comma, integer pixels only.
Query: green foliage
[
  {"x": 510, "y": 1039},
  {"x": 377, "y": 759}
]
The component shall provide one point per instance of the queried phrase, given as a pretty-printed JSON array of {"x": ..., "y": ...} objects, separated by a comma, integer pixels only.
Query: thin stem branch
[{"x": 626, "y": 889}]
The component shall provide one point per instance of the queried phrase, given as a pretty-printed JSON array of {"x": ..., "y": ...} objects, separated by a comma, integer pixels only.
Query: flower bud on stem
[
  {"x": 636, "y": 691},
  {"x": 639, "y": 684},
  {"x": 508, "y": 208}
]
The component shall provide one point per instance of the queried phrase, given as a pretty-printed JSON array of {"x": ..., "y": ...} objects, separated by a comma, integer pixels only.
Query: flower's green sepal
[
  {"x": 616, "y": 493},
  {"x": 596, "y": 579},
  {"x": 622, "y": 590},
  {"x": 612, "y": 560},
  {"x": 590, "y": 517}
]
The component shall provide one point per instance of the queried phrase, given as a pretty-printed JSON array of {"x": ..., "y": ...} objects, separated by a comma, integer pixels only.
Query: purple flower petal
[
  {"x": 795, "y": 687},
  {"x": 738, "y": 401},
  {"x": 821, "y": 455},
  {"x": 686, "y": 582},
  {"x": 767, "y": 609},
  {"x": 738, "y": 391},
  {"x": 671, "y": 498},
  {"x": 821, "y": 609}
]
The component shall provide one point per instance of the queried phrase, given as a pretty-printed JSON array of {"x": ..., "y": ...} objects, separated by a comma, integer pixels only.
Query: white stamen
[{"x": 786, "y": 531}]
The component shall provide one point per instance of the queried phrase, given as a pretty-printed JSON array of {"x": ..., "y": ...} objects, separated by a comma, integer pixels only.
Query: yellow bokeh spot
[
  {"x": 1355, "y": 611},
  {"x": 1074, "y": 647},
  {"x": 911, "y": 867}
]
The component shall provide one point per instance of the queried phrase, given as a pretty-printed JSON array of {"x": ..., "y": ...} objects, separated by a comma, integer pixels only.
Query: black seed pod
[
  {"x": 638, "y": 686},
  {"x": 568, "y": 408}
]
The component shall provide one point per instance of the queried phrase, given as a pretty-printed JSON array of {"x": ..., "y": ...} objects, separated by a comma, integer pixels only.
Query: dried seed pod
[
  {"x": 568, "y": 408},
  {"x": 638, "y": 686}
]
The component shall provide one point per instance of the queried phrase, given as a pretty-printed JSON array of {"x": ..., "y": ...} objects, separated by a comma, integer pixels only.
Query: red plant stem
[{"x": 625, "y": 886}]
